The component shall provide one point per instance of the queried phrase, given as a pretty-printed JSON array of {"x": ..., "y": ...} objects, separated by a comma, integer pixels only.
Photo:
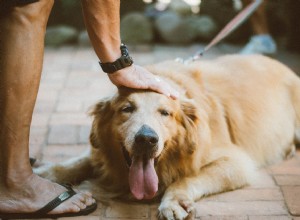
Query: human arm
[{"x": 102, "y": 19}]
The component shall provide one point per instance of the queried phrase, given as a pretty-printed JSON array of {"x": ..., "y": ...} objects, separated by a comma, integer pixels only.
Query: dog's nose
[{"x": 146, "y": 136}]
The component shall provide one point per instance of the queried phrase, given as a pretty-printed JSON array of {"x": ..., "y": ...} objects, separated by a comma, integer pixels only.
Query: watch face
[{"x": 126, "y": 61}]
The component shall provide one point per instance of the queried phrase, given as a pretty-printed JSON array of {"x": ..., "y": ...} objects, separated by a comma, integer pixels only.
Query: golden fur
[{"x": 236, "y": 113}]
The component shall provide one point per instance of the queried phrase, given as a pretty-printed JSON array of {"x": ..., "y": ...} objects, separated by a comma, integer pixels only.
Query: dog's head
[{"x": 137, "y": 129}]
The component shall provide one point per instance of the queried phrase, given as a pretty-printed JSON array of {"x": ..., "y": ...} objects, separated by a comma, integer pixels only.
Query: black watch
[{"x": 124, "y": 61}]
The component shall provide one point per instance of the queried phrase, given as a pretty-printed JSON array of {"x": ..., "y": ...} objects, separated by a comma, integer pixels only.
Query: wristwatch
[{"x": 124, "y": 61}]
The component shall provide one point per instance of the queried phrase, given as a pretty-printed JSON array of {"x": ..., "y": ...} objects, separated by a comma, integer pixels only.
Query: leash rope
[{"x": 230, "y": 27}]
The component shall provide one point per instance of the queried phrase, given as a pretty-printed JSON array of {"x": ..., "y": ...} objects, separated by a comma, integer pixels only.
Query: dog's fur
[{"x": 235, "y": 114}]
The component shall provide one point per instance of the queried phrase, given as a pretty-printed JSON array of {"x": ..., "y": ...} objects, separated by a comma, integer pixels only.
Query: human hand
[{"x": 137, "y": 77}]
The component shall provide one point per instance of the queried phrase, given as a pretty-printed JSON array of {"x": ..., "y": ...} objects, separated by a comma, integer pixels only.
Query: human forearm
[{"x": 102, "y": 19}]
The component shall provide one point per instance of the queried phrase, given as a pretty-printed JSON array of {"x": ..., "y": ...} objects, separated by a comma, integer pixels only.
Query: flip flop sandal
[
  {"x": 32, "y": 161},
  {"x": 43, "y": 212}
]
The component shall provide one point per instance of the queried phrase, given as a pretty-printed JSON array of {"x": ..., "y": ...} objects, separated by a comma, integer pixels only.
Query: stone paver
[
  {"x": 63, "y": 134},
  {"x": 231, "y": 217},
  {"x": 287, "y": 180},
  {"x": 292, "y": 198},
  {"x": 282, "y": 217},
  {"x": 248, "y": 194},
  {"x": 268, "y": 208},
  {"x": 72, "y": 82},
  {"x": 129, "y": 211},
  {"x": 59, "y": 153}
]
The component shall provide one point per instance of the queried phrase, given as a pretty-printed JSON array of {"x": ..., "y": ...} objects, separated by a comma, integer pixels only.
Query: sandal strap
[{"x": 58, "y": 200}]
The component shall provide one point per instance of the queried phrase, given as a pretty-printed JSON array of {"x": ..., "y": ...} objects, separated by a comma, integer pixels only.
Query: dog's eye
[
  {"x": 127, "y": 109},
  {"x": 164, "y": 112}
]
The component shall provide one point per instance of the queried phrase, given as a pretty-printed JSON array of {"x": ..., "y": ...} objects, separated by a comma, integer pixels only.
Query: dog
[{"x": 235, "y": 114}]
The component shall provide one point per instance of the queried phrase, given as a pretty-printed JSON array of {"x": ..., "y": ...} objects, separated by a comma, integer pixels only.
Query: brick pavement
[{"x": 72, "y": 82}]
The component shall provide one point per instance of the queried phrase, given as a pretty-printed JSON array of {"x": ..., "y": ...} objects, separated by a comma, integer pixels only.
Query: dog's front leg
[
  {"x": 71, "y": 171},
  {"x": 223, "y": 174}
]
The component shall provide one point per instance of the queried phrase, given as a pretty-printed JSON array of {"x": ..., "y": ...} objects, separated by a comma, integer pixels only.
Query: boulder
[
  {"x": 180, "y": 7},
  {"x": 136, "y": 29},
  {"x": 58, "y": 35},
  {"x": 83, "y": 39},
  {"x": 176, "y": 29},
  {"x": 204, "y": 26}
]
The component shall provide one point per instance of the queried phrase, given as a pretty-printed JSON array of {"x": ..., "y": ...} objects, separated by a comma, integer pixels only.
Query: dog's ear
[
  {"x": 190, "y": 110},
  {"x": 195, "y": 121},
  {"x": 101, "y": 113},
  {"x": 101, "y": 109},
  {"x": 190, "y": 120}
]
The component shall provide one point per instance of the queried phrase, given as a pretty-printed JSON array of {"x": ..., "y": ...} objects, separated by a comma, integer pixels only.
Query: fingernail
[
  {"x": 175, "y": 95},
  {"x": 157, "y": 79}
]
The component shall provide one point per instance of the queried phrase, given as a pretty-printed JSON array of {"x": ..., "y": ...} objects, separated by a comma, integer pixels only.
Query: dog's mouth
[
  {"x": 126, "y": 156},
  {"x": 143, "y": 180},
  {"x": 128, "y": 159}
]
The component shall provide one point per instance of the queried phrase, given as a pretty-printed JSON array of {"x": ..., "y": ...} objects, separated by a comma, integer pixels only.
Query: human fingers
[
  {"x": 138, "y": 77},
  {"x": 155, "y": 83},
  {"x": 161, "y": 86}
]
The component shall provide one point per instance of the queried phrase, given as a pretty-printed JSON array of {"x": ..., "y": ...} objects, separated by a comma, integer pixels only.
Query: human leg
[
  {"x": 21, "y": 54},
  {"x": 261, "y": 42}
]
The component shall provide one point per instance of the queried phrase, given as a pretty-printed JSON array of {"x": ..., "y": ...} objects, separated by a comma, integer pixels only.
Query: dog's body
[{"x": 237, "y": 113}]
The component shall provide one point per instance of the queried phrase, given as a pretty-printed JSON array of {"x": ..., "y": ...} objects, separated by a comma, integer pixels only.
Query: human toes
[
  {"x": 68, "y": 206},
  {"x": 76, "y": 203}
]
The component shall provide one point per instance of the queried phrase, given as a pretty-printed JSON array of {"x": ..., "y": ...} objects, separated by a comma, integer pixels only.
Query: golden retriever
[{"x": 235, "y": 114}]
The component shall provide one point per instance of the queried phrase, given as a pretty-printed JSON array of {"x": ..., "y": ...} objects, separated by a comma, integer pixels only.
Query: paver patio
[{"x": 72, "y": 82}]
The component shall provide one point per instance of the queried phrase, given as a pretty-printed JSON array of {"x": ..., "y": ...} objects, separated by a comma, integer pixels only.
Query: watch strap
[
  {"x": 120, "y": 63},
  {"x": 124, "y": 61}
]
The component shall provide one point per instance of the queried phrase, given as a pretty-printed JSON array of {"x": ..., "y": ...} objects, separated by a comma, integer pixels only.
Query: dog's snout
[{"x": 146, "y": 136}]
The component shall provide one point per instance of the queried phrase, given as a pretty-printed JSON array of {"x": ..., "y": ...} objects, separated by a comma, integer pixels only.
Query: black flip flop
[
  {"x": 43, "y": 212},
  {"x": 32, "y": 161}
]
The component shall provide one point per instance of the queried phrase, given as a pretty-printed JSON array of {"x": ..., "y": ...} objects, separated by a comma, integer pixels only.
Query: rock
[
  {"x": 175, "y": 29},
  {"x": 83, "y": 39},
  {"x": 136, "y": 29},
  {"x": 204, "y": 26},
  {"x": 180, "y": 7},
  {"x": 58, "y": 35},
  {"x": 166, "y": 25}
]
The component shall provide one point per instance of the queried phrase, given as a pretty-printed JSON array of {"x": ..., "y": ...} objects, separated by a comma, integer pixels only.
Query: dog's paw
[
  {"x": 176, "y": 209},
  {"x": 46, "y": 171}
]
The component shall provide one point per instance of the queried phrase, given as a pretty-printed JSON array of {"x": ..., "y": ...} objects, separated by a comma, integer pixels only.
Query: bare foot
[{"x": 35, "y": 193}]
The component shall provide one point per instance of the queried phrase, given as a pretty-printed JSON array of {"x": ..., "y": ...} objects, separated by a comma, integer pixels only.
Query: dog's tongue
[{"x": 143, "y": 180}]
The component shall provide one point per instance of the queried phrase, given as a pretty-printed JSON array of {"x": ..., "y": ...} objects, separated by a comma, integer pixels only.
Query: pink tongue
[{"x": 143, "y": 180}]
